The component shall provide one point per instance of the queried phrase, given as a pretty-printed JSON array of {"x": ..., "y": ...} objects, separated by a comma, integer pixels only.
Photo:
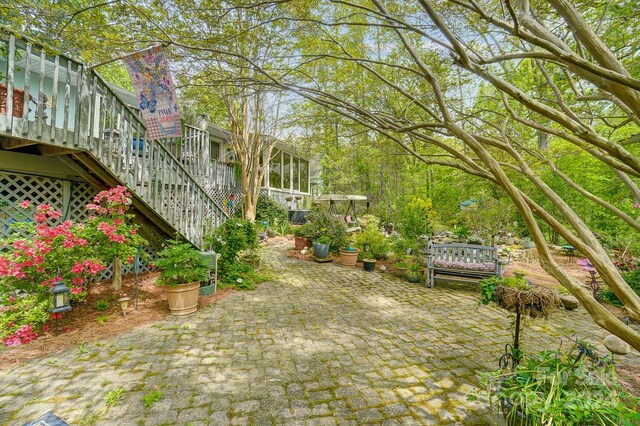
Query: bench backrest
[{"x": 466, "y": 253}]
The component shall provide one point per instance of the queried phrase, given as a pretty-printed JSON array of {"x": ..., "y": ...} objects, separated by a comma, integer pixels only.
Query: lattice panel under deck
[
  {"x": 81, "y": 195},
  {"x": 16, "y": 188}
]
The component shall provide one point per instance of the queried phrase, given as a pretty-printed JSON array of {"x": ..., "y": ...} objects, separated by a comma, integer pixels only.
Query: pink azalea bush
[{"x": 38, "y": 250}]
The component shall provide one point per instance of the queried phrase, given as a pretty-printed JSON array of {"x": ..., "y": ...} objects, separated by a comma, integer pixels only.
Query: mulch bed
[{"x": 84, "y": 323}]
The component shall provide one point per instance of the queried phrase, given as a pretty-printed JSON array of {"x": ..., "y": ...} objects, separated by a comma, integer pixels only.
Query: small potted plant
[
  {"x": 400, "y": 267},
  {"x": 414, "y": 272},
  {"x": 368, "y": 261},
  {"x": 182, "y": 268},
  {"x": 321, "y": 247},
  {"x": 349, "y": 256}
]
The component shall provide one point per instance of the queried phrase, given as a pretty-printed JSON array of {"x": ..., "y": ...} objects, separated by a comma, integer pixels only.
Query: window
[
  {"x": 286, "y": 171},
  {"x": 275, "y": 169},
  {"x": 304, "y": 175},
  {"x": 214, "y": 150},
  {"x": 296, "y": 173}
]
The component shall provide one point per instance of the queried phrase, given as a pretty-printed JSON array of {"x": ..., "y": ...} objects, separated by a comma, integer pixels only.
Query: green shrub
[
  {"x": 232, "y": 237},
  {"x": 632, "y": 278},
  {"x": 23, "y": 310},
  {"x": 270, "y": 210},
  {"x": 322, "y": 224},
  {"x": 180, "y": 264},
  {"x": 417, "y": 218},
  {"x": 242, "y": 276},
  {"x": 102, "y": 305},
  {"x": 378, "y": 242}
]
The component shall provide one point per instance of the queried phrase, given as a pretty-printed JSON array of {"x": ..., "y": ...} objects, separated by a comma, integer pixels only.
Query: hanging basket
[{"x": 535, "y": 302}]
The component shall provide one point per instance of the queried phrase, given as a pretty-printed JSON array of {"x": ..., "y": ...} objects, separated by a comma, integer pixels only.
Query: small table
[{"x": 568, "y": 250}]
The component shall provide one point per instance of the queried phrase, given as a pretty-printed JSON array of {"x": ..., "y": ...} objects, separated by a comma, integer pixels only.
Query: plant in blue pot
[{"x": 321, "y": 247}]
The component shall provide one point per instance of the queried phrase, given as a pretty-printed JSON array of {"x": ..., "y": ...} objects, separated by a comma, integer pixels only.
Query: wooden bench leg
[{"x": 430, "y": 277}]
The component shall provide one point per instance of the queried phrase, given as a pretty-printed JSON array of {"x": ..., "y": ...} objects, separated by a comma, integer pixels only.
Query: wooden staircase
[{"x": 59, "y": 107}]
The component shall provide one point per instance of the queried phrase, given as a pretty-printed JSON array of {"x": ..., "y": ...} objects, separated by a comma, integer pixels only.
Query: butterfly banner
[{"x": 152, "y": 82}]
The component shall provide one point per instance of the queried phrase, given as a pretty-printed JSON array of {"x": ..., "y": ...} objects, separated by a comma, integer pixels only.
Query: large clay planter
[
  {"x": 302, "y": 242},
  {"x": 183, "y": 298},
  {"x": 349, "y": 258}
]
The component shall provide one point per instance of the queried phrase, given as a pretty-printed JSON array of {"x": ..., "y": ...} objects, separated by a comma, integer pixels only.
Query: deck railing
[{"x": 53, "y": 100}]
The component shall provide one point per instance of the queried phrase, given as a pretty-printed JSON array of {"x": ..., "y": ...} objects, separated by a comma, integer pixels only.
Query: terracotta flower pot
[
  {"x": 183, "y": 298},
  {"x": 349, "y": 258}
]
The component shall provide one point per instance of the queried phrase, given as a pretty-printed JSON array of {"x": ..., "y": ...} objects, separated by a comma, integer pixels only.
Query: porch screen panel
[
  {"x": 286, "y": 171},
  {"x": 296, "y": 173},
  {"x": 304, "y": 175},
  {"x": 275, "y": 170}
]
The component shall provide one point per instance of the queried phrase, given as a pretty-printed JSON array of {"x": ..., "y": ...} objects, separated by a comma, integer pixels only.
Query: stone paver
[{"x": 321, "y": 344}]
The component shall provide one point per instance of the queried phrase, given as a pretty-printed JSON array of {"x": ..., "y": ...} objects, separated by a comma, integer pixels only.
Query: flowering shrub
[
  {"x": 110, "y": 230},
  {"x": 21, "y": 315},
  {"x": 40, "y": 249},
  {"x": 234, "y": 236},
  {"x": 36, "y": 251}
]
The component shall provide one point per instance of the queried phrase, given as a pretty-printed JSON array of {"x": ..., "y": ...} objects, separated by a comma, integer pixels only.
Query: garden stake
[
  {"x": 512, "y": 353},
  {"x": 136, "y": 266}
]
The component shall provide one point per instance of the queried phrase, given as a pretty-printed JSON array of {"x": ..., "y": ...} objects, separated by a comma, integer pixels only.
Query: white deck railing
[{"x": 59, "y": 103}]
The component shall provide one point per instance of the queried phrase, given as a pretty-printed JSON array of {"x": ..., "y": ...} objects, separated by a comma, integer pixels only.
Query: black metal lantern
[
  {"x": 366, "y": 246},
  {"x": 59, "y": 297}
]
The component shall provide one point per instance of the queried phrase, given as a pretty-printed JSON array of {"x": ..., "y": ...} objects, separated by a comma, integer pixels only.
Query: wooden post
[{"x": 117, "y": 273}]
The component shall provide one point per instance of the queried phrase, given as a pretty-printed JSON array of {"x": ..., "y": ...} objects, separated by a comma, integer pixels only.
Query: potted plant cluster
[
  {"x": 326, "y": 233},
  {"x": 182, "y": 268},
  {"x": 562, "y": 387}
]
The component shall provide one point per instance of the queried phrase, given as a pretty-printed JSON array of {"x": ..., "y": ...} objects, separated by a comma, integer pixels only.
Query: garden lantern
[
  {"x": 124, "y": 302},
  {"x": 59, "y": 297},
  {"x": 366, "y": 246}
]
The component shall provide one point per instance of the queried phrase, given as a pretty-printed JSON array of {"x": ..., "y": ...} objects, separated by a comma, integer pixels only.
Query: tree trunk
[{"x": 117, "y": 273}]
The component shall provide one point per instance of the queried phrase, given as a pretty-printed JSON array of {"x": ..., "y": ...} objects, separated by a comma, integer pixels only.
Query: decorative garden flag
[{"x": 151, "y": 79}]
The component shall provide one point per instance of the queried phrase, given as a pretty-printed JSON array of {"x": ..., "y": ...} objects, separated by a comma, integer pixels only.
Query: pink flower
[{"x": 25, "y": 204}]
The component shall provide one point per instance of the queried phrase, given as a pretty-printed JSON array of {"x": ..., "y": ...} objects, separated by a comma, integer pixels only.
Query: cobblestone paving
[{"x": 320, "y": 345}]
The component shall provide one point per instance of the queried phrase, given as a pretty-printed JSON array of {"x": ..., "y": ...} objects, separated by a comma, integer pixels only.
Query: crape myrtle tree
[{"x": 494, "y": 89}]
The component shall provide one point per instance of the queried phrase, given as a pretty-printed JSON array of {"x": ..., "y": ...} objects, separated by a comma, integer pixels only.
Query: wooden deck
[{"x": 66, "y": 109}]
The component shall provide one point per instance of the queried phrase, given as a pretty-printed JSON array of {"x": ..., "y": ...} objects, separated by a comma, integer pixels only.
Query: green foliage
[
  {"x": 102, "y": 319},
  {"x": 231, "y": 238},
  {"x": 378, "y": 243},
  {"x": 243, "y": 276},
  {"x": 151, "y": 398},
  {"x": 102, "y": 305},
  {"x": 632, "y": 278},
  {"x": 114, "y": 397},
  {"x": 488, "y": 286},
  {"x": 283, "y": 228},
  {"x": 369, "y": 221},
  {"x": 180, "y": 264},
  {"x": 22, "y": 310},
  {"x": 564, "y": 388},
  {"x": 270, "y": 210},
  {"x": 321, "y": 226},
  {"x": 417, "y": 218},
  {"x": 474, "y": 239},
  {"x": 81, "y": 349}
]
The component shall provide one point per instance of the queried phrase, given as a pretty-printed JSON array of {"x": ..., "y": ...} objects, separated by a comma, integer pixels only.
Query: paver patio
[{"x": 321, "y": 344}]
